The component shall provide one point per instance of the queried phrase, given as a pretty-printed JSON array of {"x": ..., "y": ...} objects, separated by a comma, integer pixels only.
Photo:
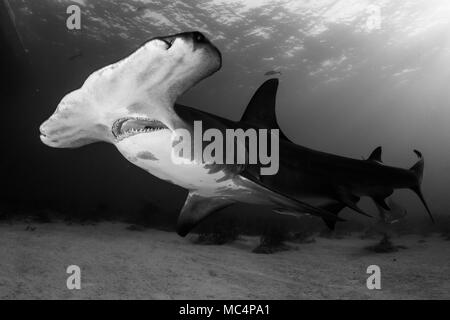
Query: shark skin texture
[{"x": 132, "y": 105}]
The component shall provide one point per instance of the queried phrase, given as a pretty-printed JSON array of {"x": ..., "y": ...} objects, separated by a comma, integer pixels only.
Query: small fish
[
  {"x": 395, "y": 213},
  {"x": 76, "y": 55},
  {"x": 272, "y": 73},
  {"x": 141, "y": 8}
]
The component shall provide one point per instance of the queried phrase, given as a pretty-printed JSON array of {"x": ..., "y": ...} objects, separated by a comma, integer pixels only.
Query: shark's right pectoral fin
[
  {"x": 196, "y": 208},
  {"x": 335, "y": 208}
]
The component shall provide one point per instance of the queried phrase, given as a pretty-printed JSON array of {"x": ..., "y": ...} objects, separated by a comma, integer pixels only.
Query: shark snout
[
  {"x": 49, "y": 133},
  {"x": 66, "y": 130},
  {"x": 44, "y": 129},
  {"x": 61, "y": 134}
]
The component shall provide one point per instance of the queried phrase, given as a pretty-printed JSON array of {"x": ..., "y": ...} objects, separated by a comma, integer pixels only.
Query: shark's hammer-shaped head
[{"x": 133, "y": 96}]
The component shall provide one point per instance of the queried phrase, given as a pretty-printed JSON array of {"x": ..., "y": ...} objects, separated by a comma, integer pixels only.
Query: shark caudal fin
[
  {"x": 260, "y": 111},
  {"x": 417, "y": 169}
]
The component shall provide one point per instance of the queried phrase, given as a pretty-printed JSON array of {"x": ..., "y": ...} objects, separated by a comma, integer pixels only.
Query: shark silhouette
[{"x": 131, "y": 104}]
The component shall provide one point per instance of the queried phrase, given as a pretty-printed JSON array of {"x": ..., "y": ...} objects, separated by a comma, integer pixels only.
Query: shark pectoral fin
[
  {"x": 335, "y": 208},
  {"x": 303, "y": 207},
  {"x": 326, "y": 215},
  {"x": 287, "y": 212},
  {"x": 381, "y": 202},
  {"x": 350, "y": 201},
  {"x": 260, "y": 110},
  {"x": 376, "y": 155},
  {"x": 196, "y": 208},
  {"x": 287, "y": 202}
]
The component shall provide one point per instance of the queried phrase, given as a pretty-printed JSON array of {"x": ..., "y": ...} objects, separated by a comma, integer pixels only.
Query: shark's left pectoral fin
[
  {"x": 196, "y": 208},
  {"x": 334, "y": 208},
  {"x": 350, "y": 201}
]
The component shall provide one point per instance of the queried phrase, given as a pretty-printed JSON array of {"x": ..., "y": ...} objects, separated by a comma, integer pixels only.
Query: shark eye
[{"x": 199, "y": 37}]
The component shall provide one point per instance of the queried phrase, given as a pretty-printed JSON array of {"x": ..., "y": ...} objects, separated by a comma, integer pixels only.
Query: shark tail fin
[{"x": 417, "y": 169}]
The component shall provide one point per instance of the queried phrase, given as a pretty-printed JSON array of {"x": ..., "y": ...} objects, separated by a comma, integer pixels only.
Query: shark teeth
[{"x": 126, "y": 127}]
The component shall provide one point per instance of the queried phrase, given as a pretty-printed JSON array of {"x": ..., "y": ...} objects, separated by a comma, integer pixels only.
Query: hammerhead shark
[{"x": 132, "y": 105}]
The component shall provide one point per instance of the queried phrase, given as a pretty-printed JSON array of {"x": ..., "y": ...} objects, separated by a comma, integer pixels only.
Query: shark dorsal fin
[
  {"x": 196, "y": 208},
  {"x": 375, "y": 155},
  {"x": 260, "y": 110}
]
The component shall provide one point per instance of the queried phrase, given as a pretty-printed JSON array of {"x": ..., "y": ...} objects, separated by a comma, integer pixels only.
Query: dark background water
[{"x": 345, "y": 88}]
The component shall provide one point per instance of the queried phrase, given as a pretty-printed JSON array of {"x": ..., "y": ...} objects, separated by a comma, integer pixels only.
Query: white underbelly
[{"x": 153, "y": 153}]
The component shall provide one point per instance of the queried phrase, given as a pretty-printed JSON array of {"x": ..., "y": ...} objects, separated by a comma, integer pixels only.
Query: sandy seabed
[{"x": 117, "y": 263}]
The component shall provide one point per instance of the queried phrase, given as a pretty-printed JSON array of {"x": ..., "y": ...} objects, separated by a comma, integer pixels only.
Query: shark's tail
[{"x": 417, "y": 169}]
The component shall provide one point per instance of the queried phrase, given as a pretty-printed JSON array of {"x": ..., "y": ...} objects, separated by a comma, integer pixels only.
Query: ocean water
[{"x": 353, "y": 75}]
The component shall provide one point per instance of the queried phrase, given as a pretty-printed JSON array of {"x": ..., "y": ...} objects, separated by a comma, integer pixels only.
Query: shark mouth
[{"x": 127, "y": 127}]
